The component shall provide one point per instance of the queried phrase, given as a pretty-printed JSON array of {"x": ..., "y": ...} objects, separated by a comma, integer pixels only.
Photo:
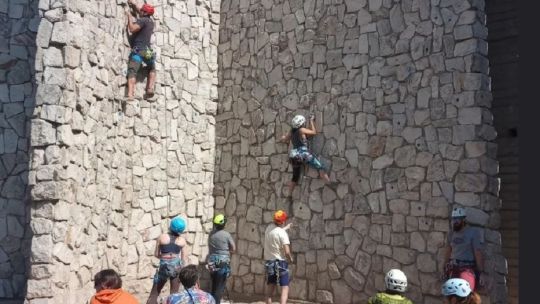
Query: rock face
[
  {"x": 399, "y": 89},
  {"x": 103, "y": 177},
  {"x": 396, "y": 88},
  {"x": 17, "y": 89}
]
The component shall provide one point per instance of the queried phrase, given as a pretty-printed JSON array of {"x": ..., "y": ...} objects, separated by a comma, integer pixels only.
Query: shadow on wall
[{"x": 19, "y": 23}]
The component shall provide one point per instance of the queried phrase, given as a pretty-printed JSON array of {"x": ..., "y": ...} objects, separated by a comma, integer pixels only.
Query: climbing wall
[
  {"x": 401, "y": 94},
  {"x": 107, "y": 176},
  {"x": 18, "y": 27}
]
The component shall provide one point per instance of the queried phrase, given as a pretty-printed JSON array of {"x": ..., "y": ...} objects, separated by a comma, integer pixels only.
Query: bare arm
[
  {"x": 185, "y": 251},
  {"x": 447, "y": 254},
  {"x": 288, "y": 254},
  {"x": 232, "y": 247},
  {"x": 312, "y": 130},
  {"x": 156, "y": 251},
  {"x": 479, "y": 258},
  {"x": 285, "y": 137}
]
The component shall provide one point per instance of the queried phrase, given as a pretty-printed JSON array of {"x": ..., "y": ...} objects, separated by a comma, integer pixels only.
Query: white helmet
[
  {"x": 298, "y": 121},
  {"x": 458, "y": 212},
  {"x": 395, "y": 280},
  {"x": 456, "y": 286}
]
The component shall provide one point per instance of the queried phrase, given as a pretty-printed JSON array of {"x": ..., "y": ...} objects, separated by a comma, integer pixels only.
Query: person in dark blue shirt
[{"x": 141, "y": 52}]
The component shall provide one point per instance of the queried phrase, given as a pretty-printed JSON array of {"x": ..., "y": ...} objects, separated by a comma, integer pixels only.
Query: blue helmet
[{"x": 178, "y": 225}]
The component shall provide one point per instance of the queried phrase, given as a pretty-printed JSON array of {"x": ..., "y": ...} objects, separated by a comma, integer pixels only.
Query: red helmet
[
  {"x": 148, "y": 9},
  {"x": 280, "y": 217}
]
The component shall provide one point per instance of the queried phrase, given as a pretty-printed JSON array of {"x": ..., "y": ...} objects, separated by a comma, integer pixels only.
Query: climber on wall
[
  {"x": 300, "y": 154},
  {"x": 463, "y": 256},
  {"x": 142, "y": 30},
  {"x": 171, "y": 249}
]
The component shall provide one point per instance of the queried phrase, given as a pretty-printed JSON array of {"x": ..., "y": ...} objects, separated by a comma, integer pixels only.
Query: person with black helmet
[
  {"x": 142, "y": 30},
  {"x": 171, "y": 249},
  {"x": 300, "y": 154},
  {"x": 221, "y": 245}
]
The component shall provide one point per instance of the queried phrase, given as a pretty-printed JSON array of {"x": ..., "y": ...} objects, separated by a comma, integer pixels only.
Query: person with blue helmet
[{"x": 171, "y": 249}]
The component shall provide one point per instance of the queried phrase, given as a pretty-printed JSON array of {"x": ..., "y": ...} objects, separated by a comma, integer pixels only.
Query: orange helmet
[
  {"x": 280, "y": 217},
  {"x": 148, "y": 9}
]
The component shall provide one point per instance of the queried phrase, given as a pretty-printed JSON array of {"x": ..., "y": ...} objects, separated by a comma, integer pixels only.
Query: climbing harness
[
  {"x": 220, "y": 264},
  {"x": 273, "y": 267}
]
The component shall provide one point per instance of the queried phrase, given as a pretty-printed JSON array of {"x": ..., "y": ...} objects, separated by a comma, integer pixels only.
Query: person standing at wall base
[
  {"x": 221, "y": 245},
  {"x": 277, "y": 256},
  {"x": 171, "y": 249},
  {"x": 395, "y": 282}
]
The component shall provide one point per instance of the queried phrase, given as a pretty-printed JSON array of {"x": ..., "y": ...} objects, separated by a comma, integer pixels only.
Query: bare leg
[
  {"x": 324, "y": 176},
  {"x": 291, "y": 185},
  {"x": 284, "y": 294},
  {"x": 131, "y": 87},
  {"x": 154, "y": 293},
  {"x": 270, "y": 288},
  {"x": 150, "y": 82}
]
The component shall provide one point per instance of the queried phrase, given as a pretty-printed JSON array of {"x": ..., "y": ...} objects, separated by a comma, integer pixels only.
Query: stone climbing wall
[
  {"x": 107, "y": 176},
  {"x": 401, "y": 94},
  {"x": 18, "y": 27},
  {"x": 502, "y": 22}
]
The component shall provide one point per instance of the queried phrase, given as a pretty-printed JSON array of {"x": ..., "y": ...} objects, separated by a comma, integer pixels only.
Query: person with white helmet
[
  {"x": 463, "y": 256},
  {"x": 395, "y": 282},
  {"x": 220, "y": 245},
  {"x": 300, "y": 154},
  {"x": 458, "y": 291},
  {"x": 171, "y": 249}
]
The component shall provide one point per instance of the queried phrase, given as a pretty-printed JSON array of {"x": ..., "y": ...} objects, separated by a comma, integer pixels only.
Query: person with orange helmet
[
  {"x": 142, "y": 30},
  {"x": 277, "y": 256}
]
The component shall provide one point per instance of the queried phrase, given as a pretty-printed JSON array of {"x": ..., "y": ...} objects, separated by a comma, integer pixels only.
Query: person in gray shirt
[
  {"x": 463, "y": 256},
  {"x": 221, "y": 245}
]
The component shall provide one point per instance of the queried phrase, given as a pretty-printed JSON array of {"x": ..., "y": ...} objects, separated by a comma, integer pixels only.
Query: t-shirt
[
  {"x": 219, "y": 242},
  {"x": 142, "y": 38},
  {"x": 190, "y": 296},
  {"x": 385, "y": 298},
  {"x": 464, "y": 242},
  {"x": 274, "y": 239}
]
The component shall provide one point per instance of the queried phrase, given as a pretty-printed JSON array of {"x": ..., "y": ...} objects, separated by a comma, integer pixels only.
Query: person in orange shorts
[{"x": 108, "y": 285}]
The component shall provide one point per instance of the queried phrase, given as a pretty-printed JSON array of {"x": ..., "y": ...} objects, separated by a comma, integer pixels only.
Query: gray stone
[
  {"x": 405, "y": 156},
  {"x": 471, "y": 182}
]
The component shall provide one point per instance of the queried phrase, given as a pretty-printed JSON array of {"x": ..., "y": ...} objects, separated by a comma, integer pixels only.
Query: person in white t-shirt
[{"x": 277, "y": 256}]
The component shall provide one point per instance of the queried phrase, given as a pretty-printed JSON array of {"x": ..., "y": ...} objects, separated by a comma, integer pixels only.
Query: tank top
[
  {"x": 296, "y": 138},
  {"x": 172, "y": 247}
]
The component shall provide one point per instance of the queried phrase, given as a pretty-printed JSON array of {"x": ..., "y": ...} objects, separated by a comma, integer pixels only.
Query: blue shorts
[{"x": 277, "y": 270}]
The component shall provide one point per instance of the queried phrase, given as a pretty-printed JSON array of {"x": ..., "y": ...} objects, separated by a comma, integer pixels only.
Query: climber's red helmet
[
  {"x": 147, "y": 9},
  {"x": 280, "y": 217}
]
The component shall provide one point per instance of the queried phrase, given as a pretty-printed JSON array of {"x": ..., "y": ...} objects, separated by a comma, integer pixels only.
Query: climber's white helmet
[
  {"x": 298, "y": 121},
  {"x": 458, "y": 212},
  {"x": 458, "y": 287},
  {"x": 395, "y": 280}
]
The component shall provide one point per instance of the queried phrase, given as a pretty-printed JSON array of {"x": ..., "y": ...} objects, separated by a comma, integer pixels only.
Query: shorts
[
  {"x": 277, "y": 271},
  {"x": 136, "y": 59},
  {"x": 168, "y": 269}
]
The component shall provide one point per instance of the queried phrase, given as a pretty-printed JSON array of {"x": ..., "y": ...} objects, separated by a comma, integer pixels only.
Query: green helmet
[{"x": 220, "y": 219}]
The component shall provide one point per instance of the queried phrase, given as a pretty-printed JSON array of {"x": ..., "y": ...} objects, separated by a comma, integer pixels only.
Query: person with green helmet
[
  {"x": 220, "y": 245},
  {"x": 171, "y": 249}
]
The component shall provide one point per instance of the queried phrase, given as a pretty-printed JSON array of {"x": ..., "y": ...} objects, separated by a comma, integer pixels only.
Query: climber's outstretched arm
[
  {"x": 136, "y": 5},
  {"x": 311, "y": 130},
  {"x": 132, "y": 26}
]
